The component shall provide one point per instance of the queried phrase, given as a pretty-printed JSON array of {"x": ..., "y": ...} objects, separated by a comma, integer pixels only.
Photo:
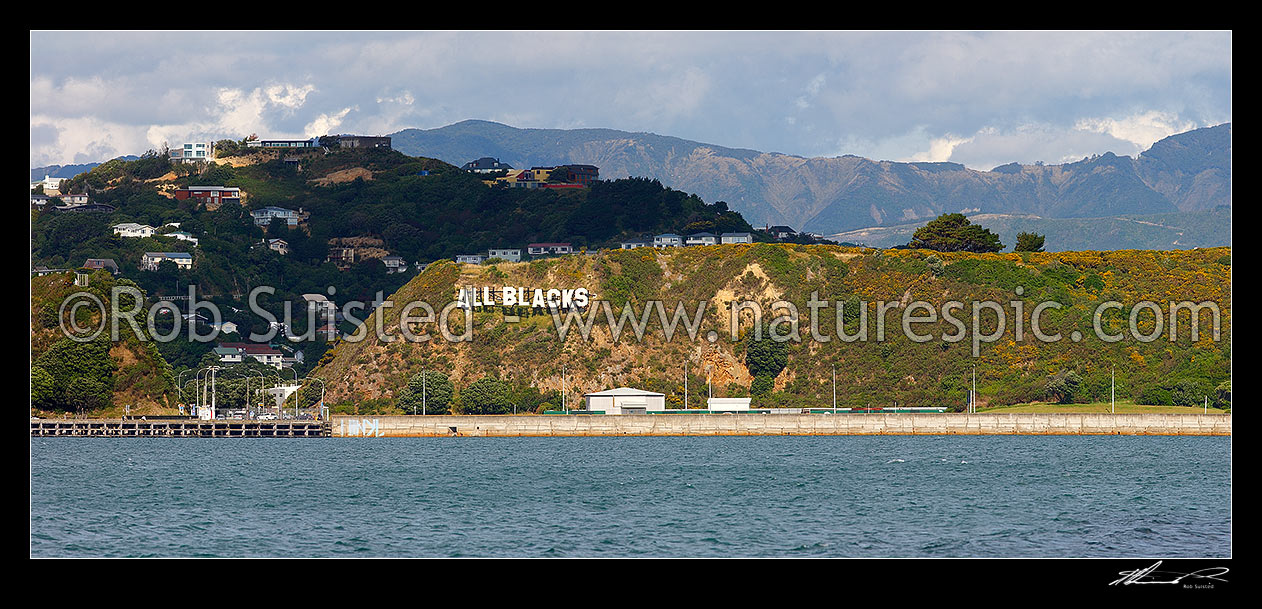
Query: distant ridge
[{"x": 1187, "y": 172}]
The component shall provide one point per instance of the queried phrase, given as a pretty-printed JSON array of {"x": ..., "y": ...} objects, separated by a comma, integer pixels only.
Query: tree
[
  {"x": 43, "y": 390},
  {"x": 429, "y": 391},
  {"x": 1063, "y": 386},
  {"x": 1029, "y": 242},
  {"x": 765, "y": 356},
  {"x": 485, "y": 396},
  {"x": 954, "y": 233}
]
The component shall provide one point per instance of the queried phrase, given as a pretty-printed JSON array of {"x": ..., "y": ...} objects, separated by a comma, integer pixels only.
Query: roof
[
  {"x": 210, "y": 188},
  {"x": 623, "y": 391},
  {"x": 735, "y": 235},
  {"x": 250, "y": 348},
  {"x": 782, "y": 229},
  {"x": 549, "y": 245},
  {"x": 168, "y": 255},
  {"x": 702, "y": 234},
  {"x": 666, "y": 235},
  {"x": 272, "y": 209}
]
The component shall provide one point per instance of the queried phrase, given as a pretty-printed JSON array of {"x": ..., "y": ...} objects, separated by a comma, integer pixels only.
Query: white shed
[{"x": 624, "y": 400}]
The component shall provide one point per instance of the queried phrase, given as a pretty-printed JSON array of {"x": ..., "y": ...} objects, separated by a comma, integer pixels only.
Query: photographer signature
[{"x": 1150, "y": 575}]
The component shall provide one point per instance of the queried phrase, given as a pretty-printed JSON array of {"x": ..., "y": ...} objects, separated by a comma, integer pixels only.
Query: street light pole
[{"x": 834, "y": 388}]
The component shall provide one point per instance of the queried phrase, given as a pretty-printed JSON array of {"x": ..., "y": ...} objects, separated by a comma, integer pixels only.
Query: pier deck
[{"x": 191, "y": 428}]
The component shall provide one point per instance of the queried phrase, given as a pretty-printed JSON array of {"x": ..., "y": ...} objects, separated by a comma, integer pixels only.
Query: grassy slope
[{"x": 930, "y": 373}]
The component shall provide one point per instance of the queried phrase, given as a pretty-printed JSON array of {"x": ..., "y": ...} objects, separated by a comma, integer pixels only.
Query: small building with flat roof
[{"x": 624, "y": 400}]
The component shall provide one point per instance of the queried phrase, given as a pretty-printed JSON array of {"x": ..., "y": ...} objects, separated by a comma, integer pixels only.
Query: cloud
[
  {"x": 326, "y": 123},
  {"x": 888, "y": 95},
  {"x": 1142, "y": 129}
]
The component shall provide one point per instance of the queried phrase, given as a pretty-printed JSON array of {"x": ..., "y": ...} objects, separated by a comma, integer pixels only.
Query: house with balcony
[
  {"x": 131, "y": 230},
  {"x": 668, "y": 240},
  {"x": 208, "y": 195},
  {"x": 264, "y": 216},
  {"x": 395, "y": 264},
  {"x": 701, "y": 239},
  {"x": 307, "y": 143},
  {"x": 150, "y": 260},
  {"x": 192, "y": 152},
  {"x": 544, "y": 249},
  {"x": 280, "y": 246}
]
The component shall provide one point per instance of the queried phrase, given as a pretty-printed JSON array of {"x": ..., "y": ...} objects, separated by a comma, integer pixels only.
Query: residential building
[
  {"x": 509, "y": 254},
  {"x": 630, "y": 245},
  {"x": 265, "y": 215},
  {"x": 193, "y": 152},
  {"x": 363, "y": 141},
  {"x": 668, "y": 240},
  {"x": 262, "y": 353},
  {"x": 150, "y": 260},
  {"x": 86, "y": 207},
  {"x": 39, "y": 201},
  {"x": 74, "y": 199},
  {"x": 780, "y": 232},
  {"x": 40, "y": 270},
  {"x": 102, "y": 263},
  {"x": 537, "y": 249},
  {"x": 736, "y": 238},
  {"x": 702, "y": 239},
  {"x": 583, "y": 175},
  {"x": 341, "y": 257},
  {"x": 471, "y": 258},
  {"x": 279, "y": 246},
  {"x": 131, "y": 230},
  {"x": 209, "y": 194},
  {"x": 321, "y": 304},
  {"x": 225, "y": 327},
  {"x": 49, "y": 184},
  {"x": 624, "y": 400},
  {"x": 183, "y": 236},
  {"x": 395, "y": 264},
  {"x": 486, "y": 164},
  {"x": 307, "y": 143}
]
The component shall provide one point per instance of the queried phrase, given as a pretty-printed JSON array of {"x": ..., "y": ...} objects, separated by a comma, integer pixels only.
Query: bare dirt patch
[{"x": 345, "y": 175}]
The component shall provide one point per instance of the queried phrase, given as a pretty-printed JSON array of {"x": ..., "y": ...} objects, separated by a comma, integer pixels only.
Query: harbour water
[{"x": 769, "y": 496}]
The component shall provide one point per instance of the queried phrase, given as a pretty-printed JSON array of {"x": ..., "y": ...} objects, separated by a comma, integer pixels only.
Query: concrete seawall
[{"x": 782, "y": 424}]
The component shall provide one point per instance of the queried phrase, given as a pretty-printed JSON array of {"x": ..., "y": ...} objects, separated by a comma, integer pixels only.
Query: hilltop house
[
  {"x": 51, "y": 185},
  {"x": 702, "y": 239},
  {"x": 192, "y": 152},
  {"x": 485, "y": 164},
  {"x": 150, "y": 260},
  {"x": 506, "y": 254},
  {"x": 630, "y": 245},
  {"x": 736, "y": 238},
  {"x": 307, "y": 143},
  {"x": 471, "y": 258},
  {"x": 668, "y": 240},
  {"x": 363, "y": 141},
  {"x": 538, "y": 249},
  {"x": 781, "y": 232},
  {"x": 131, "y": 230},
  {"x": 209, "y": 194}
]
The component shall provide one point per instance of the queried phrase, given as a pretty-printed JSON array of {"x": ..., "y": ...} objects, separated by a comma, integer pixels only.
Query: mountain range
[{"x": 1188, "y": 172}]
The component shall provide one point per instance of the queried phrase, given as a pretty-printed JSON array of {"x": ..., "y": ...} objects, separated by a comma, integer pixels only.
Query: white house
[
  {"x": 150, "y": 260},
  {"x": 395, "y": 264},
  {"x": 536, "y": 249},
  {"x": 264, "y": 216},
  {"x": 191, "y": 152},
  {"x": 510, "y": 255},
  {"x": 668, "y": 240},
  {"x": 183, "y": 236},
  {"x": 471, "y": 258},
  {"x": 630, "y": 245},
  {"x": 624, "y": 400},
  {"x": 49, "y": 184},
  {"x": 131, "y": 230},
  {"x": 702, "y": 239},
  {"x": 737, "y": 238}
]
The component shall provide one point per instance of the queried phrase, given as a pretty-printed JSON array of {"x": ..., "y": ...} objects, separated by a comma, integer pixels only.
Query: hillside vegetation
[{"x": 369, "y": 375}]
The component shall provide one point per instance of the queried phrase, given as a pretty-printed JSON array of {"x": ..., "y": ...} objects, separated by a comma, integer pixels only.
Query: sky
[{"x": 978, "y": 98}]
